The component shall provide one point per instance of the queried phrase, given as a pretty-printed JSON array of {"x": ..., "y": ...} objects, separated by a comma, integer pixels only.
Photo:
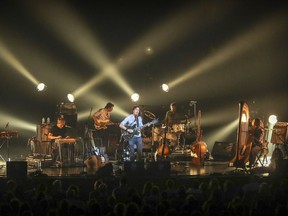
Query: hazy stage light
[
  {"x": 70, "y": 97},
  {"x": 272, "y": 119},
  {"x": 165, "y": 87},
  {"x": 148, "y": 50},
  {"x": 135, "y": 97},
  {"x": 41, "y": 87},
  {"x": 243, "y": 117}
]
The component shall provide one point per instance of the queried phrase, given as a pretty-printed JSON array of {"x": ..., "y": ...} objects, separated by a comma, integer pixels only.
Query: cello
[
  {"x": 199, "y": 148},
  {"x": 163, "y": 149},
  {"x": 244, "y": 138}
]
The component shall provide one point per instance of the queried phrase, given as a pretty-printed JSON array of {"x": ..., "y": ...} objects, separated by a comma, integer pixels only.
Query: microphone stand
[
  {"x": 86, "y": 138},
  {"x": 7, "y": 141}
]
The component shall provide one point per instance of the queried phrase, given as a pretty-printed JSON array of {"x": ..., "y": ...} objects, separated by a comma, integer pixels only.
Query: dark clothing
[
  {"x": 56, "y": 131},
  {"x": 258, "y": 135},
  {"x": 172, "y": 118}
]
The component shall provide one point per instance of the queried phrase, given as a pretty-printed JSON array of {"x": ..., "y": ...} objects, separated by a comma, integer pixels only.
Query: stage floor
[{"x": 178, "y": 165}]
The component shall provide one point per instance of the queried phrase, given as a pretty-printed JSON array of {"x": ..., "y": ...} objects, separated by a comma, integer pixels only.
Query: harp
[{"x": 244, "y": 139}]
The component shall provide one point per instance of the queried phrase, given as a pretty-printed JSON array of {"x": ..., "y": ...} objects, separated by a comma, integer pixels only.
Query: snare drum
[
  {"x": 178, "y": 128},
  {"x": 171, "y": 136},
  {"x": 157, "y": 134}
]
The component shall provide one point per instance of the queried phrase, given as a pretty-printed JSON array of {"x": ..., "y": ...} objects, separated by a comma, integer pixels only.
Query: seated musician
[
  {"x": 172, "y": 117},
  {"x": 57, "y": 131},
  {"x": 257, "y": 132},
  {"x": 171, "y": 123}
]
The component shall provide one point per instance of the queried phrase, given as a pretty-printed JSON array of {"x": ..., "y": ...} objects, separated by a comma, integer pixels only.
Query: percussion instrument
[
  {"x": 157, "y": 133},
  {"x": 178, "y": 128},
  {"x": 171, "y": 136}
]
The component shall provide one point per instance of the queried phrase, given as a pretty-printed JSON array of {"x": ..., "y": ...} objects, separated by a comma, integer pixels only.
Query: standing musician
[
  {"x": 101, "y": 120},
  {"x": 133, "y": 120},
  {"x": 257, "y": 132},
  {"x": 57, "y": 131}
]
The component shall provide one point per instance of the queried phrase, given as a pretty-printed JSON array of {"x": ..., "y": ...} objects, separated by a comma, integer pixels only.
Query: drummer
[{"x": 172, "y": 116}]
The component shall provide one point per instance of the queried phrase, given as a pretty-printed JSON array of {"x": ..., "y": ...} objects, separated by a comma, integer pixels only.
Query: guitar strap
[{"x": 137, "y": 121}]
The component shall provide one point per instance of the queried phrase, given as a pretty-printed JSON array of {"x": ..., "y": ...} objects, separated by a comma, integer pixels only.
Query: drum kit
[{"x": 177, "y": 136}]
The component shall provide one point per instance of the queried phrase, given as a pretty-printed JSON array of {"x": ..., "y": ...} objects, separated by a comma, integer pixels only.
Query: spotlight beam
[
  {"x": 16, "y": 64},
  {"x": 218, "y": 116},
  {"x": 244, "y": 43},
  {"x": 89, "y": 48},
  {"x": 17, "y": 123},
  {"x": 221, "y": 133},
  {"x": 178, "y": 26}
]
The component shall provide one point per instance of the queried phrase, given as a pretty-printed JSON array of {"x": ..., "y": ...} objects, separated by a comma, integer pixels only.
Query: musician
[
  {"x": 101, "y": 120},
  {"x": 257, "y": 133},
  {"x": 57, "y": 131},
  {"x": 133, "y": 121},
  {"x": 172, "y": 116},
  {"x": 172, "y": 122}
]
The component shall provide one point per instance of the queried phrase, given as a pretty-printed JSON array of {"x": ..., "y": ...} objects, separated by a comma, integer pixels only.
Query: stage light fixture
[
  {"x": 243, "y": 118},
  {"x": 272, "y": 119},
  {"x": 148, "y": 50},
  {"x": 135, "y": 97},
  {"x": 41, "y": 87},
  {"x": 165, "y": 87},
  {"x": 70, "y": 97}
]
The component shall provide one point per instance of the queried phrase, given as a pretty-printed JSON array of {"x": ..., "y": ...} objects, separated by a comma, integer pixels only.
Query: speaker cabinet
[
  {"x": 281, "y": 167},
  {"x": 159, "y": 169},
  {"x": 222, "y": 151},
  {"x": 16, "y": 169},
  {"x": 134, "y": 168}
]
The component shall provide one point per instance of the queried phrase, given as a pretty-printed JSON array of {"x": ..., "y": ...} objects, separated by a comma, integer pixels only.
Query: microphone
[
  {"x": 7, "y": 125},
  {"x": 67, "y": 126}
]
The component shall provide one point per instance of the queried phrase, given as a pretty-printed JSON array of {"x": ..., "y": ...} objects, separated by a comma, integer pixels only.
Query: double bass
[
  {"x": 244, "y": 138},
  {"x": 199, "y": 148},
  {"x": 163, "y": 149}
]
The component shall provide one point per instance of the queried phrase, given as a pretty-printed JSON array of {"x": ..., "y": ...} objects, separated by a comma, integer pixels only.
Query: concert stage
[{"x": 176, "y": 165}]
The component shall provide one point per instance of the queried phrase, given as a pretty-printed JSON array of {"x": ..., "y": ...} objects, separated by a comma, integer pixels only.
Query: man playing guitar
[
  {"x": 101, "y": 120},
  {"x": 133, "y": 120}
]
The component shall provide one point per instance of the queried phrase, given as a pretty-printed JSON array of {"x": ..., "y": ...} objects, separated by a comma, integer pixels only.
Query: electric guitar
[
  {"x": 128, "y": 136},
  {"x": 102, "y": 124}
]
